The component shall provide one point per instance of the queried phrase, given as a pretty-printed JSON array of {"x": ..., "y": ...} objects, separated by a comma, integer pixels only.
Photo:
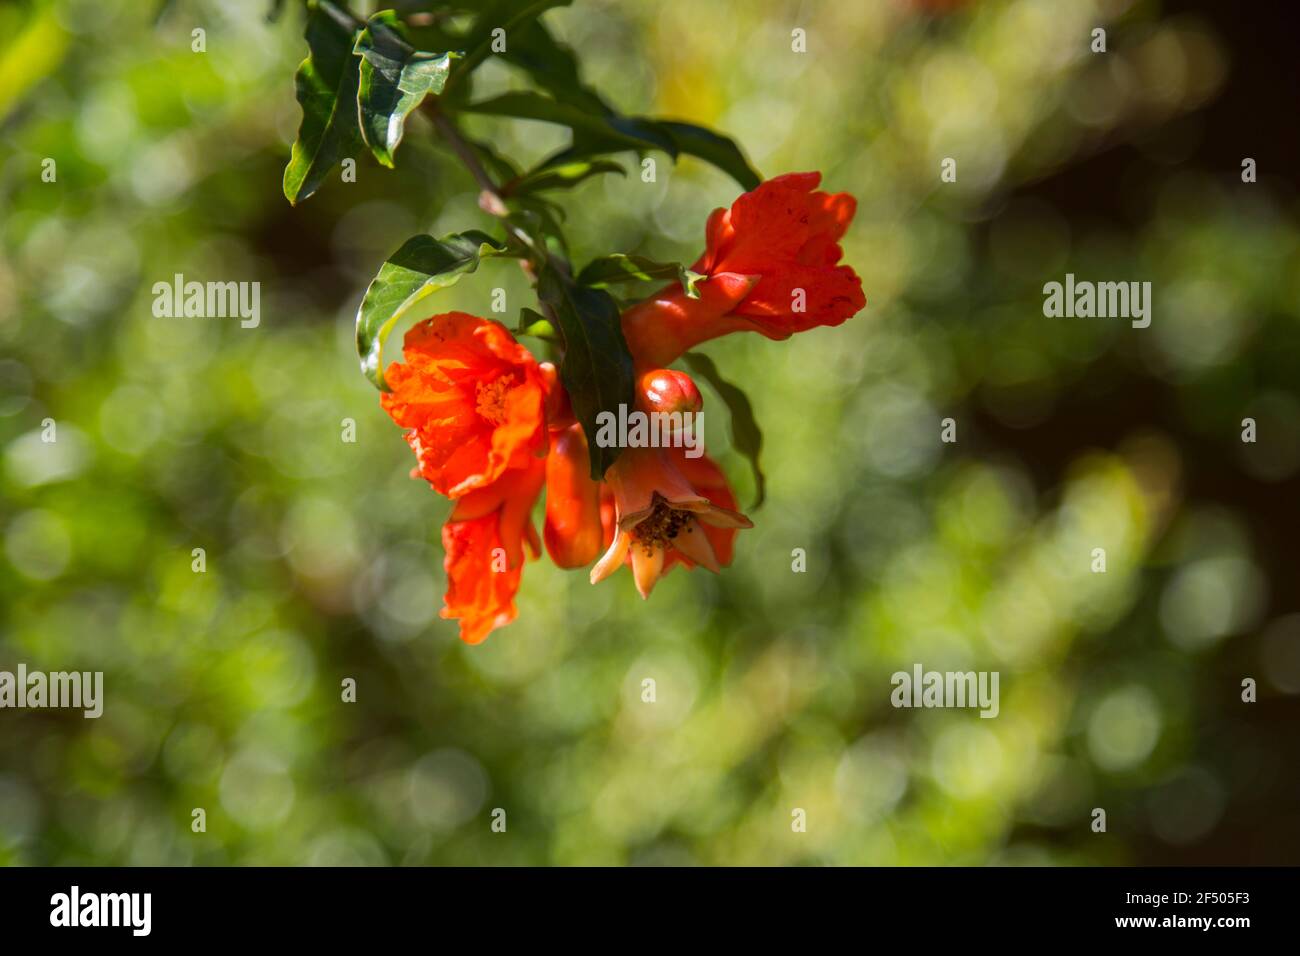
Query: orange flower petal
[
  {"x": 473, "y": 398},
  {"x": 772, "y": 261},
  {"x": 485, "y": 540}
]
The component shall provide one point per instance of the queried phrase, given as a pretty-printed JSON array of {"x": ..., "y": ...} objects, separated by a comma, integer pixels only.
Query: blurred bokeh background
[{"x": 1119, "y": 690}]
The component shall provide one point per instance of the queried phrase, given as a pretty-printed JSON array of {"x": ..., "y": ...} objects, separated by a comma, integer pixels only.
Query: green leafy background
[{"x": 1119, "y": 690}]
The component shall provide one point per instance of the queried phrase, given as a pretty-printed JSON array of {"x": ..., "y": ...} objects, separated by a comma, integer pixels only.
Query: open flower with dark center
[
  {"x": 772, "y": 262},
  {"x": 473, "y": 399},
  {"x": 662, "y": 518}
]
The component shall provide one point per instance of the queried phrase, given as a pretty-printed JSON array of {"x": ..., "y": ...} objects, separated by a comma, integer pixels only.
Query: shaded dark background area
[{"x": 1246, "y": 118}]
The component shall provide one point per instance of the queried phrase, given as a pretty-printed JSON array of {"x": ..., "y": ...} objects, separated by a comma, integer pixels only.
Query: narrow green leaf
[
  {"x": 326, "y": 86},
  {"x": 532, "y": 322},
  {"x": 691, "y": 140},
  {"x": 597, "y": 367},
  {"x": 565, "y": 176},
  {"x": 421, "y": 267},
  {"x": 604, "y": 133},
  {"x": 714, "y": 148},
  {"x": 746, "y": 437},
  {"x": 395, "y": 78},
  {"x": 620, "y": 268},
  {"x": 553, "y": 66},
  {"x": 507, "y": 15}
]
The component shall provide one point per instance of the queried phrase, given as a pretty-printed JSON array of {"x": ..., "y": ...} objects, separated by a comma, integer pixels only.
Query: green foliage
[
  {"x": 395, "y": 79},
  {"x": 391, "y": 79},
  {"x": 323, "y": 562},
  {"x": 713, "y": 148},
  {"x": 618, "y": 267},
  {"x": 507, "y": 16},
  {"x": 599, "y": 133},
  {"x": 533, "y": 323},
  {"x": 327, "y": 84},
  {"x": 596, "y": 133},
  {"x": 553, "y": 66},
  {"x": 746, "y": 436},
  {"x": 421, "y": 267},
  {"x": 563, "y": 176},
  {"x": 361, "y": 82},
  {"x": 597, "y": 367}
]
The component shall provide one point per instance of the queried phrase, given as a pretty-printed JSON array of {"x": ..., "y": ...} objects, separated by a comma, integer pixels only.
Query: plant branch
[
  {"x": 492, "y": 198},
  {"x": 491, "y": 201},
  {"x": 449, "y": 132}
]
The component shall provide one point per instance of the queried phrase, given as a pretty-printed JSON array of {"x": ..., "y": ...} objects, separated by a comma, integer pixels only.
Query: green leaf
[
  {"x": 421, "y": 267},
  {"x": 695, "y": 141},
  {"x": 604, "y": 133},
  {"x": 621, "y": 268},
  {"x": 395, "y": 78},
  {"x": 553, "y": 67},
  {"x": 746, "y": 437},
  {"x": 597, "y": 366},
  {"x": 565, "y": 176},
  {"x": 507, "y": 15},
  {"x": 537, "y": 325},
  {"x": 326, "y": 85},
  {"x": 539, "y": 217},
  {"x": 713, "y": 148}
]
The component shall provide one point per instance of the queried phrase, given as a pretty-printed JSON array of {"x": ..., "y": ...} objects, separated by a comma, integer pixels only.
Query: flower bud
[
  {"x": 668, "y": 390},
  {"x": 573, "y": 532}
]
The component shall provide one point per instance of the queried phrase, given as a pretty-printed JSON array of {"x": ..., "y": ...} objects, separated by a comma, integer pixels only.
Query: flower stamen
[
  {"x": 491, "y": 398},
  {"x": 663, "y": 525}
]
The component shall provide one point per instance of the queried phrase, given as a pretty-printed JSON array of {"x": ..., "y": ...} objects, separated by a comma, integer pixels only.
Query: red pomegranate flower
[
  {"x": 481, "y": 412},
  {"x": 772, "y": 262},
  {"x": 580, "y": 512},
  {"x": 661, "y": 517},
  {"x": 472, "y": 398},
  {"x": 485, "y": 540}
]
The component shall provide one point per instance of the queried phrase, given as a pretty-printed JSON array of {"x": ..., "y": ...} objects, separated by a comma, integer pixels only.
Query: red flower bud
[
  {"x": 573, "y": 532},
  {"x": 668, "y": 390}
]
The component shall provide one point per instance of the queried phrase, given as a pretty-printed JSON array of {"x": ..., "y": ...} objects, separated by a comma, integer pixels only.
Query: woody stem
[{"x": 492, "y": 201}]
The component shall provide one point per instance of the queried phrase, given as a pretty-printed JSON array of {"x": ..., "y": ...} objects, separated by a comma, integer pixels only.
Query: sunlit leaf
[
  {"x": 532, "y": 322},
  {"x": 395, "y": 79},
  {"x": 420, "y": 268},
  {"x": 622, "y": 268},
  {"x": 565, "y": 176}
]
